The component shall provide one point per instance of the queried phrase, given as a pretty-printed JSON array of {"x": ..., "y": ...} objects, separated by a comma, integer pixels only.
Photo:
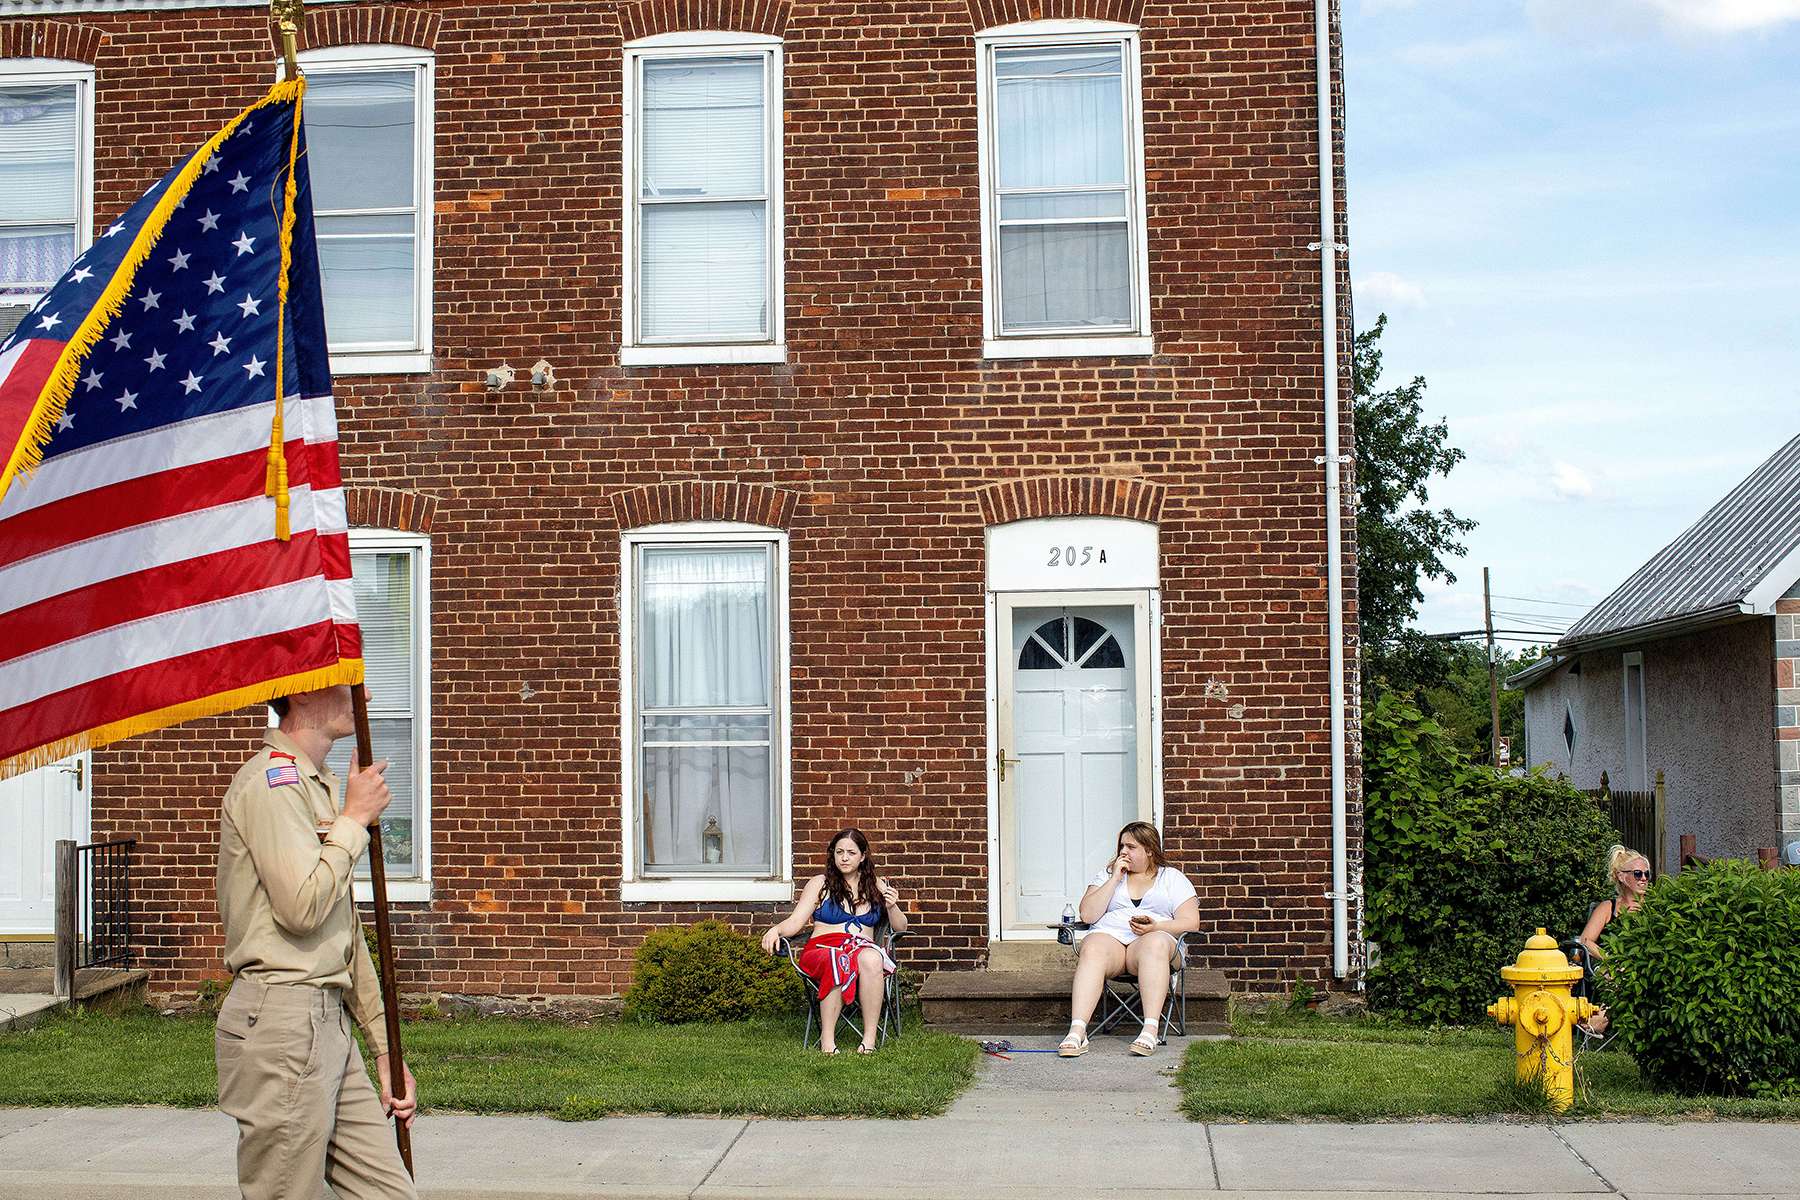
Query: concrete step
[{"x": 1037, "y": 1001}]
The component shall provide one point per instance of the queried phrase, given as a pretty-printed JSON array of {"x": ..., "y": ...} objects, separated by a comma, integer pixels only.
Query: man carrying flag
[{"x": 173, "y": 544}]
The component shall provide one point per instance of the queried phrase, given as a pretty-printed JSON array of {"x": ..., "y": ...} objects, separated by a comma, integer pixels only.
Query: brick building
[{"x": 761, "y": 416}]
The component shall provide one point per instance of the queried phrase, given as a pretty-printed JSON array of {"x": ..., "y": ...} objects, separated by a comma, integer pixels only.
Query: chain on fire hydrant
[{"x": 1543, "y": 1015}]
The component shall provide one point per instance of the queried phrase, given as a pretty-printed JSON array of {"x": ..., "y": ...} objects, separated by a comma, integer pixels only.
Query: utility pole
[{"x": 1487, "y": 614}]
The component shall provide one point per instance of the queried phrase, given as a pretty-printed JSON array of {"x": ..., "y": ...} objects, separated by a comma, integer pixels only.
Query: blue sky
[{"x": 1582, "y": 218}]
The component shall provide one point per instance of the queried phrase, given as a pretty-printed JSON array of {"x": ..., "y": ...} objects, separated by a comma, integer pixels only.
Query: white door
[
  {"x": 1072, "y": 764},
  {"x": 37, "y": 809}
]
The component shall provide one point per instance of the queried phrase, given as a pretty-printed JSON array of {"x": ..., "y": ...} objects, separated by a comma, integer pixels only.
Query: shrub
[
  {"x": 708, "y": 972},
  {"x": 1703, "y": 980},
  {"x": 1462, "y": 863}
]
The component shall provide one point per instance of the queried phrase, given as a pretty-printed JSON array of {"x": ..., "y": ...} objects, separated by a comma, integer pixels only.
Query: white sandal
[
  {"x": 1145, "y": 1045},
  {"x": 1073, "y": 1046}
]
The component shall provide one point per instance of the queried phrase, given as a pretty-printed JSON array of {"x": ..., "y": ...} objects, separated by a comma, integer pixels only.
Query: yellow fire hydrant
[{"x": 1543, "y": 1015}]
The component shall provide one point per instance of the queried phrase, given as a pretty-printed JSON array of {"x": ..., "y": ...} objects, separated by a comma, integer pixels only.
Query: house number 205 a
[{"x": 1076, "y": 556}]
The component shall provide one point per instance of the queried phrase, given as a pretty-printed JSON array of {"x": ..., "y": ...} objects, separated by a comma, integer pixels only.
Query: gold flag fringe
[
  {"x": 276, "y": 482},
  {"x": 54, "y": 398},
  {"x": 344, "y": 671}
]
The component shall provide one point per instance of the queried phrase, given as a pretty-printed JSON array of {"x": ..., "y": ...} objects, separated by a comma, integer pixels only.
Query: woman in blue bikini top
[{"x": 841, "y": 955}]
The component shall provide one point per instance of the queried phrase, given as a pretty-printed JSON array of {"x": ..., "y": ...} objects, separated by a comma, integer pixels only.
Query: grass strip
[
  {"x": 501, "y": 1065},
  {"x": 1307, "y": 1068}
]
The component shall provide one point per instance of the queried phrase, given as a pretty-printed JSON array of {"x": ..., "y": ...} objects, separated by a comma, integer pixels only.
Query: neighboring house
[
  {"x": 930, "y": 436},
  {"x": 1689, "y": 668}
]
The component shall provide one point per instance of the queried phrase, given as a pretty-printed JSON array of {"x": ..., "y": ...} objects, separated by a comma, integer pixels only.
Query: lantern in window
[{"x": 712, "y": 841}]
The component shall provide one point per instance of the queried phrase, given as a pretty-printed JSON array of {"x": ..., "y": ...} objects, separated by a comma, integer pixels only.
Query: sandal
[
  {"x": 1073, "y": 1047},
  {"x": 1144, "y": 1046},
  {"x": 865, "y": 1049},
  {"x": 832, "y": 1051}
]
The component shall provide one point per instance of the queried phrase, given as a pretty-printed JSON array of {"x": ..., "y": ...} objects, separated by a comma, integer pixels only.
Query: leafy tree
[
  {"x": 1400, "y": 540},
  {"x": 1459, "y": 700}
]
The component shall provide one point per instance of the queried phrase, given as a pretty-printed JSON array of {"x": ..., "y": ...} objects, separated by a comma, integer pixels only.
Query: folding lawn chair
[
  {"x": 1578, "y": 954},
  {"x": 885, "y": 937},
  {"x": 1121, "y": 1001}
]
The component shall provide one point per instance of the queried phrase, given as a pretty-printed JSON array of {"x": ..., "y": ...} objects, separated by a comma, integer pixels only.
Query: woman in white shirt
[{"x": 1136, "y": 907}]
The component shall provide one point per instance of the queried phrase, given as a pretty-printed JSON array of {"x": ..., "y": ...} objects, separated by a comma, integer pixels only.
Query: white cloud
[
  {"x": 1570, "y": 482},
  {"x": 1384, "y": 290},
  {"x": 1718, "y": 17}
]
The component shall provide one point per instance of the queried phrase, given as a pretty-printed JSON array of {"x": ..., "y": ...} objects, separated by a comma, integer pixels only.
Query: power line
[{"x": 1535, "y": 600}]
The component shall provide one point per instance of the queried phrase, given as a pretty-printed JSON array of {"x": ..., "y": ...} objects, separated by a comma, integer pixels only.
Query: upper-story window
[
  {"x": 369, "y": 145},
  {"x": 703, "y": 200},
  {"x": 46, "y": 172},
  {"x": 1062, "y": 191}
]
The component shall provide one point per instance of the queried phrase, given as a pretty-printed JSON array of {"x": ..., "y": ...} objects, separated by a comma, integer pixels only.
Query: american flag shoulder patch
[{"x": 283, "y": 775}]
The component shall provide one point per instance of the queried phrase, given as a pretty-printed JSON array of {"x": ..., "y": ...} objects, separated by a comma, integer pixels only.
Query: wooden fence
[{"x": 1640, "y": 817}]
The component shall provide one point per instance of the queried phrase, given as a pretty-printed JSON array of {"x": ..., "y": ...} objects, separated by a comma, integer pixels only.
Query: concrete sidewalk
[{"x": 1034, "y": 1128}]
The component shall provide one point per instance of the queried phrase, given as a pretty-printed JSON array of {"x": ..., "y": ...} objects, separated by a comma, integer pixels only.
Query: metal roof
[{"x": 1734, "y": 561}]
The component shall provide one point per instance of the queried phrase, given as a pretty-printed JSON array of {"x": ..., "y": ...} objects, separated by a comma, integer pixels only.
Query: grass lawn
[
  {"x": 506, "y": 1065},
  {"x": 1281, "y": 1067}
]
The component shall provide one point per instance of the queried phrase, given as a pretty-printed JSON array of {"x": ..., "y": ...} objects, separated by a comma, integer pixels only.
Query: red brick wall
[{"x": 885, "y": 445}]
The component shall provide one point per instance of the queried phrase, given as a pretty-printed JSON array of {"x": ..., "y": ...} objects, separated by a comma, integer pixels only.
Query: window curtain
[
  {"x": 703, "y": 200},
  {"x": 384, "y": 608},
  {"x": 704, "y": 644},
  {"x": 361, "y": 131},
  {"x": 39, "y": 141},
  {"x": 1060, "y": 136}
]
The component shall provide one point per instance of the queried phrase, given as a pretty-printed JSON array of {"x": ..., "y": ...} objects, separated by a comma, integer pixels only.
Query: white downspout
[{"x": 1334, "y": 534}]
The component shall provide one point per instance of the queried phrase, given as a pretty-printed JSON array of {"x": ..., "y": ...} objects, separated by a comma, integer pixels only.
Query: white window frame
[
  {"x": 634, "y": 888},
  {"x": 411, "y": 888},
  {"x": 414, "y": 357},
  {"x": 772, "y": 348},
  {"x": 1135, "y": 340},
  {"x": 53, "y": 71},
  {"x": 1634, "y": 710}
]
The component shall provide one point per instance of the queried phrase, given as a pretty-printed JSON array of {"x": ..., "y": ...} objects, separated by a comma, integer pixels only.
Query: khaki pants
[{"x": 291, "y": 1074}]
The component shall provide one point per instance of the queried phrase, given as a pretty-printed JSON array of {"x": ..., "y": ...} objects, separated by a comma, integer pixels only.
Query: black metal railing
[{"x": 93, "y": 908}]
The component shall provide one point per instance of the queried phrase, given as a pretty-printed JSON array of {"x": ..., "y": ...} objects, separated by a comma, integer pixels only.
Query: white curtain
[
  {"x": 704, "y": 643},
  {"x": 360, "y": 136},
  {"x": 39, "y": 140},
  {"x": 703, "y": 200},
  {"x": 1060, "y": 125}
]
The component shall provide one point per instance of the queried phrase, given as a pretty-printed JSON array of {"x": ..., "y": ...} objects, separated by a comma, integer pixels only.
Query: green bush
[
  {"x": 1704, "y": 980},
  {"x": 708, "y": 972},
  {"x": 1462, "y": 863}
]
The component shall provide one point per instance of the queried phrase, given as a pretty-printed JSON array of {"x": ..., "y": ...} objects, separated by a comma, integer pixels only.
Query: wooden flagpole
[
  {"x": 384, "y": 943},
  {"x": 286, "y": 16}
]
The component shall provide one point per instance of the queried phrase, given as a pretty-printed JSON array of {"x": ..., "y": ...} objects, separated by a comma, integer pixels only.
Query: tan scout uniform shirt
[{"x": 285, "y": 897}]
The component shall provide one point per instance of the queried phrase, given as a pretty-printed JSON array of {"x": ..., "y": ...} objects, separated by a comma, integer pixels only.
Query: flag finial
[{"x": 287, "y": 14}]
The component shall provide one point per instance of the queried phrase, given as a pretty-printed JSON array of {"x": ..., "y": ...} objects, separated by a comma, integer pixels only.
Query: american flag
[{"x": 169, "y": 548}]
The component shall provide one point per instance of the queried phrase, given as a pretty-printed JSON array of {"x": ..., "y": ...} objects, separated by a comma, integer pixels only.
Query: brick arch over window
[
  {"x": 371, "y": 25},
  {"x": 666, "y": 503},
  {"x": 389, "y": 508},
  {"x": 643, "y": 18},
  {"x": 985, "y": 14},
  {"x": 50, "y": 39},
  {"x": 1071, "y": 496}
]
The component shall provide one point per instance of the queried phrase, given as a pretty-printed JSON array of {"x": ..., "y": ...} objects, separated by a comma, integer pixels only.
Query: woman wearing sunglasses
[{"x": 1630, "y": 872}]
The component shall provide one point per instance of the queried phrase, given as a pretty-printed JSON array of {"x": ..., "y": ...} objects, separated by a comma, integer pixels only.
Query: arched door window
[{"x": 1066, "y": 642}]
